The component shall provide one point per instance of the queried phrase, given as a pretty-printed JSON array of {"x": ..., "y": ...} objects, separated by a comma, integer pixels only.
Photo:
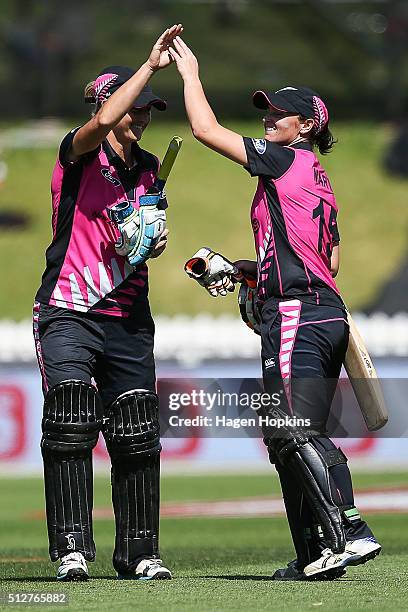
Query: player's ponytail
[{"x": 324, "y": 141}]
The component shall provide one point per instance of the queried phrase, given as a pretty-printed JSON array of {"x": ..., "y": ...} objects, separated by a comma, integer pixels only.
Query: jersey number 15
[{"x": 325, "y": 243}]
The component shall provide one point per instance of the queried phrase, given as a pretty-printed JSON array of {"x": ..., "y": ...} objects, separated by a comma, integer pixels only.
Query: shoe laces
[
  {"x": 154, "y": 563},
  {"x": 74, "y": 556},
  {"x": 149, "y": 565}
]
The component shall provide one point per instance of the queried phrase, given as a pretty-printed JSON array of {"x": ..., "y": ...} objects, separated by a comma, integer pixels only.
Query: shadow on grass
[
  {"x": 239, "y": 577},
  {"x": 30, "y": 579},
  {"x": 232, "y": 577},
  {"x": 269, "y": 578},
  {"x": 52, "y": 580}
]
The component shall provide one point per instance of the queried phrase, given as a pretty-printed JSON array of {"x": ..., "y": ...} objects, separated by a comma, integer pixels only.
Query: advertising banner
[{"x": 200, "y": 443}]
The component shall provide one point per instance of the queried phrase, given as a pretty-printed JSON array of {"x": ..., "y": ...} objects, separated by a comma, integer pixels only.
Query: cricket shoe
[
  {"x": 355, "y": 553},
  {"x": 291, "y": 572},
  {"x": 148, "y": 569},
  {"x": 73, "y": 568}
]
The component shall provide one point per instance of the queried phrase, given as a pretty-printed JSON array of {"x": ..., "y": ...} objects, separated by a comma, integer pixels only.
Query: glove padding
[
  {"x": 212, "y": 271},
  {"x": 140, "y": 230}
]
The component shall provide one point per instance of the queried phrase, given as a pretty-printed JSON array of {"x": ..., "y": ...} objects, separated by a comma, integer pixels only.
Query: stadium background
[{"x": 355, "y": 54}]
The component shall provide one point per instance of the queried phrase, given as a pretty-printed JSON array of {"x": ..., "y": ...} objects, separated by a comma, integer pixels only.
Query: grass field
[
  {"x": 218, "y": 564},
  {"x": 209, "y": 205}
]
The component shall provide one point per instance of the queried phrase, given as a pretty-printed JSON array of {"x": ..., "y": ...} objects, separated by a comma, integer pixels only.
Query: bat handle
[
  {"x": 162, "y": 205},
  {"x": 157, "y": 189}
]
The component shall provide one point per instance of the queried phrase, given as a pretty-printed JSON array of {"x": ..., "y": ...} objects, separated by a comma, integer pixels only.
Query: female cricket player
[
  {"x": 304, "y": 333},
  {"x": 94, "y": 330}
]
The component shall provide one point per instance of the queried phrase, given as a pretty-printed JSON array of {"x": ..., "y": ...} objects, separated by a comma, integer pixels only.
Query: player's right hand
[
  {"x": 186, "y": 61},
  {"x": 160, "y": 56},
  {"x": 129, "y": 228},
  {"x": 247, "y": 268}
]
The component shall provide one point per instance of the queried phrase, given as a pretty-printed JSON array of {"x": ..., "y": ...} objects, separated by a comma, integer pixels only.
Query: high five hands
[
  {"x": 169, "y": 48},
  {"x": 160, "y": 56},
  {"x": 186, "y": 61}
]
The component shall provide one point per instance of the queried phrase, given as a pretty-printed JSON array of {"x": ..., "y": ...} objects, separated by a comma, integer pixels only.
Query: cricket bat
[
  {"x": 364, "y": 380},
  {"x": 166, "y": 165}
]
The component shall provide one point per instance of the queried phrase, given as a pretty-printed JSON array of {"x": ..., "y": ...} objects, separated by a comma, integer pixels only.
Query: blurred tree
[
  {"x": 21, "y": 38},
  {"x": 44, "y": 40},
  {"x": 225, "y": 13},
  {"x": 64, "y": 39}
]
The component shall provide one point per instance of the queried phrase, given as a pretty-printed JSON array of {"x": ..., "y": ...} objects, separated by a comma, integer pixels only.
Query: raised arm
[
  {"x": 204, "y": 124},
  {"x": 91, "y": 135}
]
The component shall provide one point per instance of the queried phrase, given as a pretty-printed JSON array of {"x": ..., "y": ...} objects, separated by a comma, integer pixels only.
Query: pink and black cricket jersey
[
  {"x": 294, "y": 220},
  {"x": 83, "y": 272}
]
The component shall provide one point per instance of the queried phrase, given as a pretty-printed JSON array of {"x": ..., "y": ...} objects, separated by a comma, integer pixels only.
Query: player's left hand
[
  {"x": 212, "y": 271},
  {"x": 161, "y": 245},
  {"x": 220, "y": 287}
]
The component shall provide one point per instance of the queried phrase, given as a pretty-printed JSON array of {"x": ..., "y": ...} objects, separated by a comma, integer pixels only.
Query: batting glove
[
  {"x": 212, "y": 271},
  {"x": 140, "y": 230}
]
